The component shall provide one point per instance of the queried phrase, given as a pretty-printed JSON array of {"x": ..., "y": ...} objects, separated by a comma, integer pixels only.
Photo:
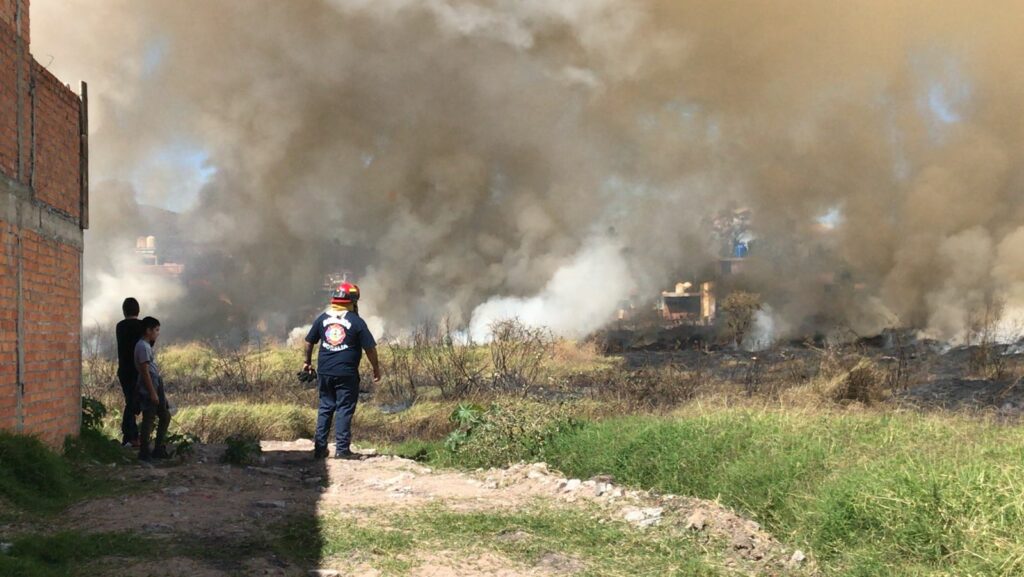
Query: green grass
[
  {"x": 396, "y": 544},
  {"x": 308, "y": 540},
  {"x": 36, "y": 479},
  {"x": 69, "y": 553},
  {"x": 593, "y": 547},
  {"x": 900, "y": 494},
  {"x": 96, "y": 447}
]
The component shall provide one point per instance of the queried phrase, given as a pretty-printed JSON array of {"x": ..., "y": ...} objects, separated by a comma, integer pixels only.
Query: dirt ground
[{"x": 218, "y": 517}]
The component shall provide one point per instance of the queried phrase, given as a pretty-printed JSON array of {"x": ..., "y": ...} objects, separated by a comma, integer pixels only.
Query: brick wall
[
  {"x": 8, "y": 326},
  {"x": 11, "y": 11},
  {"x": 56, "y": 171},
  {"x": 42, "y": 187}
]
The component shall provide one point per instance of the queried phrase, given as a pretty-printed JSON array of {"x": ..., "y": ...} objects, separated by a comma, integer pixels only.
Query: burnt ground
[{"x": 916, "y": 372}]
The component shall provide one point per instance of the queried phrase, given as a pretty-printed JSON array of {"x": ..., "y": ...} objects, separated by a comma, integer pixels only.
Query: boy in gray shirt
[{"x": 153, "y": 402}]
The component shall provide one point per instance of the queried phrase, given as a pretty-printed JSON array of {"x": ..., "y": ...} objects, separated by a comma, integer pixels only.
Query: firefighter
[{"x": 343, "y": 337}]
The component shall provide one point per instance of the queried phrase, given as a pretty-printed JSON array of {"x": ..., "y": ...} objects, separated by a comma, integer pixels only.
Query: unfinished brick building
[{"x": 43, "y": 211}]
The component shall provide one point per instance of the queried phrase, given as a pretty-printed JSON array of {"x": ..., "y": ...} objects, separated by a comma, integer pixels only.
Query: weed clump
[
  {"x": 505, "y": 433},
  {"x": 93, "y": 443},
  {"x": 242, "y": 450},
  {"x": 864, "y": 383}
]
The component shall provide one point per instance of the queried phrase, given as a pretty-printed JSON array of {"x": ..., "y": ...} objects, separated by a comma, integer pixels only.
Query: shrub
[
  {"x": 448, "y": 363},
  {"x": 93, "y": 413},
  {"x": 517, "y": 355},
  {"x": 506, "y": 433},
  {"x": 92, "y": 442},
  {"x": 399, "y": 387},
  {"x": 739, "y": 309},
  {"x": 183, "y": 444},
  {"x": 242, "y": 449}
]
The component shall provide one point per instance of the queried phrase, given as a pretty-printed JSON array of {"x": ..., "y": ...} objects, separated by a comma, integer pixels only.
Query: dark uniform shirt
[
  {"x": 128, "y": 331},
  {"x": 342, "y": 337}
]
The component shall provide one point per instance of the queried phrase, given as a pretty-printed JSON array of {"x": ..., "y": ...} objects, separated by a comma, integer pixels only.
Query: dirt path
[{"x": 220, "y": 520}]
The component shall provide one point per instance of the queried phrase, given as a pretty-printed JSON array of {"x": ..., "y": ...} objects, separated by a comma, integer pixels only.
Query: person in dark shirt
[
  {"x": 128, "y": 333},
  {"x": 343, "y": 338}
]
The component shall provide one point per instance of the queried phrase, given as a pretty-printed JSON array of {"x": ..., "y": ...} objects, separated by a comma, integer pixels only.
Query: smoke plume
[{"x": 484, "y": 155}]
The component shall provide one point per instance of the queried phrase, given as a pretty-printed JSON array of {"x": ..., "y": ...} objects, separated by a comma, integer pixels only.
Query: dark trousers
[
  {"x": 129, "y": 426},
  {"x": 154, "y": 414},
  {"x": 338, "y": 396}
]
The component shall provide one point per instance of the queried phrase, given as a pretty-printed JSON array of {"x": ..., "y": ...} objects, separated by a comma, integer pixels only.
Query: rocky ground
[{"x": 387, "y": 515}]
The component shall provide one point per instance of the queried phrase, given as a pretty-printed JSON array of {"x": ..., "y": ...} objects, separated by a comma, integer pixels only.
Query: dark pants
[
  {"x": 338, "y": 395},
  {"x": 129, "y": 426},
  {"x": 161, "y": 416}
]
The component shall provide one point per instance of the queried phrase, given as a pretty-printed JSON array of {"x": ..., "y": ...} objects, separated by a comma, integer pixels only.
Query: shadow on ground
[{"x": 209, "y": 519}]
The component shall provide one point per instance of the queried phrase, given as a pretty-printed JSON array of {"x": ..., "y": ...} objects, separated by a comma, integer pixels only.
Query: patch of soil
[{"x": 224, "y": 513}]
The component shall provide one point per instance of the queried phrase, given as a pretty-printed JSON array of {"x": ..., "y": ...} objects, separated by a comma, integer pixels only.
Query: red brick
[{"x": 50, "y": 278}]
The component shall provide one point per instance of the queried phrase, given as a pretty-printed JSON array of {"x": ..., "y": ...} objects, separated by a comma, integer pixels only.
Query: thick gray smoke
[{"x": 540, "y": 157}]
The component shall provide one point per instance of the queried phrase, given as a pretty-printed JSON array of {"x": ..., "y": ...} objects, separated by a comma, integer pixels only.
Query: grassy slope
[
  {"x": 35, "y": 479},
  {"x": 900, "y": 494}
]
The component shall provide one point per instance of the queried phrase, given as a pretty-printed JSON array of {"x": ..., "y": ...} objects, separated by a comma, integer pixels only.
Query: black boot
[
  {"x": 320, "y": 453},
  {"x": 161, "y": 453},
  {"x": 348, "y": 456}
]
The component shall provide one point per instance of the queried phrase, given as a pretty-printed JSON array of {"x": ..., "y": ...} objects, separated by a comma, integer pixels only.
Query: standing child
[{"x": 152, "y": 399}]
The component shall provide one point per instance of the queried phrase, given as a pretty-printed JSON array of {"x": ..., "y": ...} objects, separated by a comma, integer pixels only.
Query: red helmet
[{"x": 345, "y": 293}]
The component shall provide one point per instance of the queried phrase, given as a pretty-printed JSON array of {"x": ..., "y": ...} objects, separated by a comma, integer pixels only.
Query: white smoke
[
  {"x": 764, "y": 332},
  {"x": 578, "y": 299},
  {"x": 154, "y": 292},
  {"x": 297, "y": 336}
]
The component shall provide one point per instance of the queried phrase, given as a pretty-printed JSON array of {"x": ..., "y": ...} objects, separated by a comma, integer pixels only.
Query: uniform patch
[{"x": 334, "y": 334}]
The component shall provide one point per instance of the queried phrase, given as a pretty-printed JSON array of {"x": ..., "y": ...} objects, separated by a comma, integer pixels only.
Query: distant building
[
  {"x": 150, "y": 261},
  {"x": 688, "y": 306}
]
